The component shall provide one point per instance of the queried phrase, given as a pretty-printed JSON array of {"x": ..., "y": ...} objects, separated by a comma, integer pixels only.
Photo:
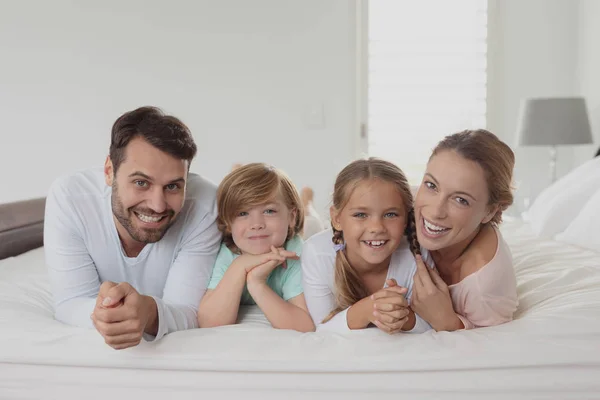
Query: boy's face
[{"x": 256, "y": 229}]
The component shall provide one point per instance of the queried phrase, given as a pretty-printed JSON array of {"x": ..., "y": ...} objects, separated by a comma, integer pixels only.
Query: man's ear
[
  {"x": 491, "y": 214},
  {"x": 334, "y": 215},
  {"x": 109, "y": 175}
]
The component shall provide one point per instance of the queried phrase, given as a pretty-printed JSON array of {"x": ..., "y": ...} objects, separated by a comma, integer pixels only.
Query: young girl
[
  {"x": 360, "y": 272},
  {"x": 260, "y": 217}
]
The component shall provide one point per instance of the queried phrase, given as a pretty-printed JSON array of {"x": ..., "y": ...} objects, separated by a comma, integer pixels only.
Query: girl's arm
[{"x": 291, "y": 314}]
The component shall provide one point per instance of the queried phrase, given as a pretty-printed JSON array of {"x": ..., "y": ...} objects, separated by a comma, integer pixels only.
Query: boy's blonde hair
[{"x": 251, "y": 185}]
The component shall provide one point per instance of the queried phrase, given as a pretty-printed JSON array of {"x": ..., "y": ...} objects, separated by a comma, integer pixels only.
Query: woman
[{"x": 458, "y": 207}]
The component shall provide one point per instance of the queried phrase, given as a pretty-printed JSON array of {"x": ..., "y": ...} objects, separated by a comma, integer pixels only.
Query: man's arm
[
  {"x": 73, "y": 276},
  {"x": 188, "y": 277}
]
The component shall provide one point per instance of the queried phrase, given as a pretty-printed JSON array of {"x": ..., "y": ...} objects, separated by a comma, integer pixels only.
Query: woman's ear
[
  {"x": 491, "y": 214},
  {"x": 334, "y": 215}
]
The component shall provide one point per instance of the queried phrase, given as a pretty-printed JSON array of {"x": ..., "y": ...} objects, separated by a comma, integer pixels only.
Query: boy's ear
[{"x": 334, "y": 215}]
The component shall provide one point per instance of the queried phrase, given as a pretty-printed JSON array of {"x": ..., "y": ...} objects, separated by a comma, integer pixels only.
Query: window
[{"x": 426, "y": 76}]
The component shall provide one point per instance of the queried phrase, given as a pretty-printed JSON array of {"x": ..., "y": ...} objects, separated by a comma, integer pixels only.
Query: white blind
[{"x": 426, "y": 76}]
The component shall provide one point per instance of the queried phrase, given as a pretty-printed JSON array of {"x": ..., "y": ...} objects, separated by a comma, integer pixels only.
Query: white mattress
[{"x": 551, "y": 350}]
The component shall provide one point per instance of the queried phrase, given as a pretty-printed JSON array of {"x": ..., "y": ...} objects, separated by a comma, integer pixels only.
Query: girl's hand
[
  {"x": 259, "y": 273},
  {"x": 431, "y": 299},
  {"x": 390, "y": 307}
]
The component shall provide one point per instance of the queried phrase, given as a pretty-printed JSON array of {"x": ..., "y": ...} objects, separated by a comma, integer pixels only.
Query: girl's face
[
  {"x": 256, "y": 229},
  {"x": 373, "y": 223},
  {"x": 452, "y": 201}
]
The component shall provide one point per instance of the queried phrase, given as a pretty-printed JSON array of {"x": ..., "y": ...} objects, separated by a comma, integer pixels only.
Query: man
[{"x": 130, "y": 248}]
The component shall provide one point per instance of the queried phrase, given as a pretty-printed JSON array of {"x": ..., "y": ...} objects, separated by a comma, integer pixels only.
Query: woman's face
[{"x": 451, "y": 202}]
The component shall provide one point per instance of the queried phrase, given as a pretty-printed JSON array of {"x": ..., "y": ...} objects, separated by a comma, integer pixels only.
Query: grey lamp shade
[{"x": 554, "y": 121}]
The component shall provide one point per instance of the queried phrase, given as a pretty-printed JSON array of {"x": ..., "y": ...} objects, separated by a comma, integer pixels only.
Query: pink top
[{"x": 489, "y": 296}]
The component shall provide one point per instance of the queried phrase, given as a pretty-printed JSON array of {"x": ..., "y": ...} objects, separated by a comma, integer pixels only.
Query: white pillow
[
  {"x": 558, "y": 205},
  {"x": 583, "y": 231},
  {"x": 312, "y": 222}
]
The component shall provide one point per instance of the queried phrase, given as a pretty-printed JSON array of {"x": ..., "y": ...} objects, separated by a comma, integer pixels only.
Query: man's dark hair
[{"x": 164, "y": 132}]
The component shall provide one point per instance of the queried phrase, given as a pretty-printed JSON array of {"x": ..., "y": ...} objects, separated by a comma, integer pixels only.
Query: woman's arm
[{"x": 431, "y": 299}]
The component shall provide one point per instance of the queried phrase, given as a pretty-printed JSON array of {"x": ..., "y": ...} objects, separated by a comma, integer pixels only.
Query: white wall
[
  {"x": 535, "y": 52},
  {"x": 588, "y": 69},
  {"x": 242, "y": 75}
]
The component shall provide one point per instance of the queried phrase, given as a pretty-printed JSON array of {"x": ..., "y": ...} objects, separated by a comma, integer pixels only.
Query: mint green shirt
[{"x": 286, "y": 282}]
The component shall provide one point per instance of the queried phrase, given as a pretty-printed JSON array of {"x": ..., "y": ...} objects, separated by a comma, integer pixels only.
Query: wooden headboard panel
[{"x": 21, "y": 226}]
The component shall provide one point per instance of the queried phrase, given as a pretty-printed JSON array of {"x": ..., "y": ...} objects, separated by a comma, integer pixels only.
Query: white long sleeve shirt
[
  {"x": 318, "y": 274},
  {"x": 83, "y": 249}
]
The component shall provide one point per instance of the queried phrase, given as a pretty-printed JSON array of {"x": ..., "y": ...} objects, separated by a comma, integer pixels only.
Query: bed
[{"x": 550, "y": 351}]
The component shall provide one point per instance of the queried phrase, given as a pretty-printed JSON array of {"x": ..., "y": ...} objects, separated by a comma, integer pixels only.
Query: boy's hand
[
  {"x": 250, "y": 261},
  {"x": 276, "y": 257}
]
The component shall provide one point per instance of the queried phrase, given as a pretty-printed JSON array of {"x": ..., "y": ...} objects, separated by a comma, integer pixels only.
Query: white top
[
  {"x": 83, "y": 250},
  {"x": 318, "y": 273}
]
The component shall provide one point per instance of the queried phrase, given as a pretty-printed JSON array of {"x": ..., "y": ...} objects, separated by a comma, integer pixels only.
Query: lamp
[{"x": 554, "y": 122}]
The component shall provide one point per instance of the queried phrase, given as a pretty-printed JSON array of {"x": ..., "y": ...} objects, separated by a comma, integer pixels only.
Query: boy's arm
[
  {"x": 220, "y": 305},
  {"x": 291, "y": 311},
  {"x": 291, "y": 314}
]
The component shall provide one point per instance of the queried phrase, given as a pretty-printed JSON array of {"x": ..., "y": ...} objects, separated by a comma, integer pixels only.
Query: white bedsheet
[{"x": 551, "y": 350}]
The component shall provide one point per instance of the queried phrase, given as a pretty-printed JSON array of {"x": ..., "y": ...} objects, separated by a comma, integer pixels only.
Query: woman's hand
[{"x": 431, "y": 299}]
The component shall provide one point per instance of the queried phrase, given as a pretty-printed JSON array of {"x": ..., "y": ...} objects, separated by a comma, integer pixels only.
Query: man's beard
[{"x": 125, "y": 218}]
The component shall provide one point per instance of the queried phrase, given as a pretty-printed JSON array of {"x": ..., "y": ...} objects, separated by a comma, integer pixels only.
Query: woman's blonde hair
[
  {"x": 349, "y": 288},
  {"x": 251, "y": 185},
  {"x": 495, "y": 158}
]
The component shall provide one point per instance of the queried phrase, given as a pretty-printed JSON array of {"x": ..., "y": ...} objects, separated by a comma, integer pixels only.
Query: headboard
[{"x": 21, "y": 226}]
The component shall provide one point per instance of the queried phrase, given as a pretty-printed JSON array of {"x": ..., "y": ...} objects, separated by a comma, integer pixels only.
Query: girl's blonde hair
[
  {"x": 495, "y": 158},
  {"x": 349, "y": 288},
  {"x": 251, "y": 185}
]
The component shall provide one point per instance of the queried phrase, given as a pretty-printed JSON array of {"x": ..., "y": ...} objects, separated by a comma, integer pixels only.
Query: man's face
[{"x": 148, "y": 192}]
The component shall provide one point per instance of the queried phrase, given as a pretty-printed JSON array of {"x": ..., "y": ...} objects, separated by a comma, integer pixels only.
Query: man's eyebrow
[
  {"x": 143, "y": 175},
  {"x": 139, "y": 173},
  {"x": 178, "y": 180}
]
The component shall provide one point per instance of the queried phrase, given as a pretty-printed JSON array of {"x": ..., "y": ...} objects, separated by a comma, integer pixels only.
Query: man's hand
[{"x": 122, "y": 315}]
